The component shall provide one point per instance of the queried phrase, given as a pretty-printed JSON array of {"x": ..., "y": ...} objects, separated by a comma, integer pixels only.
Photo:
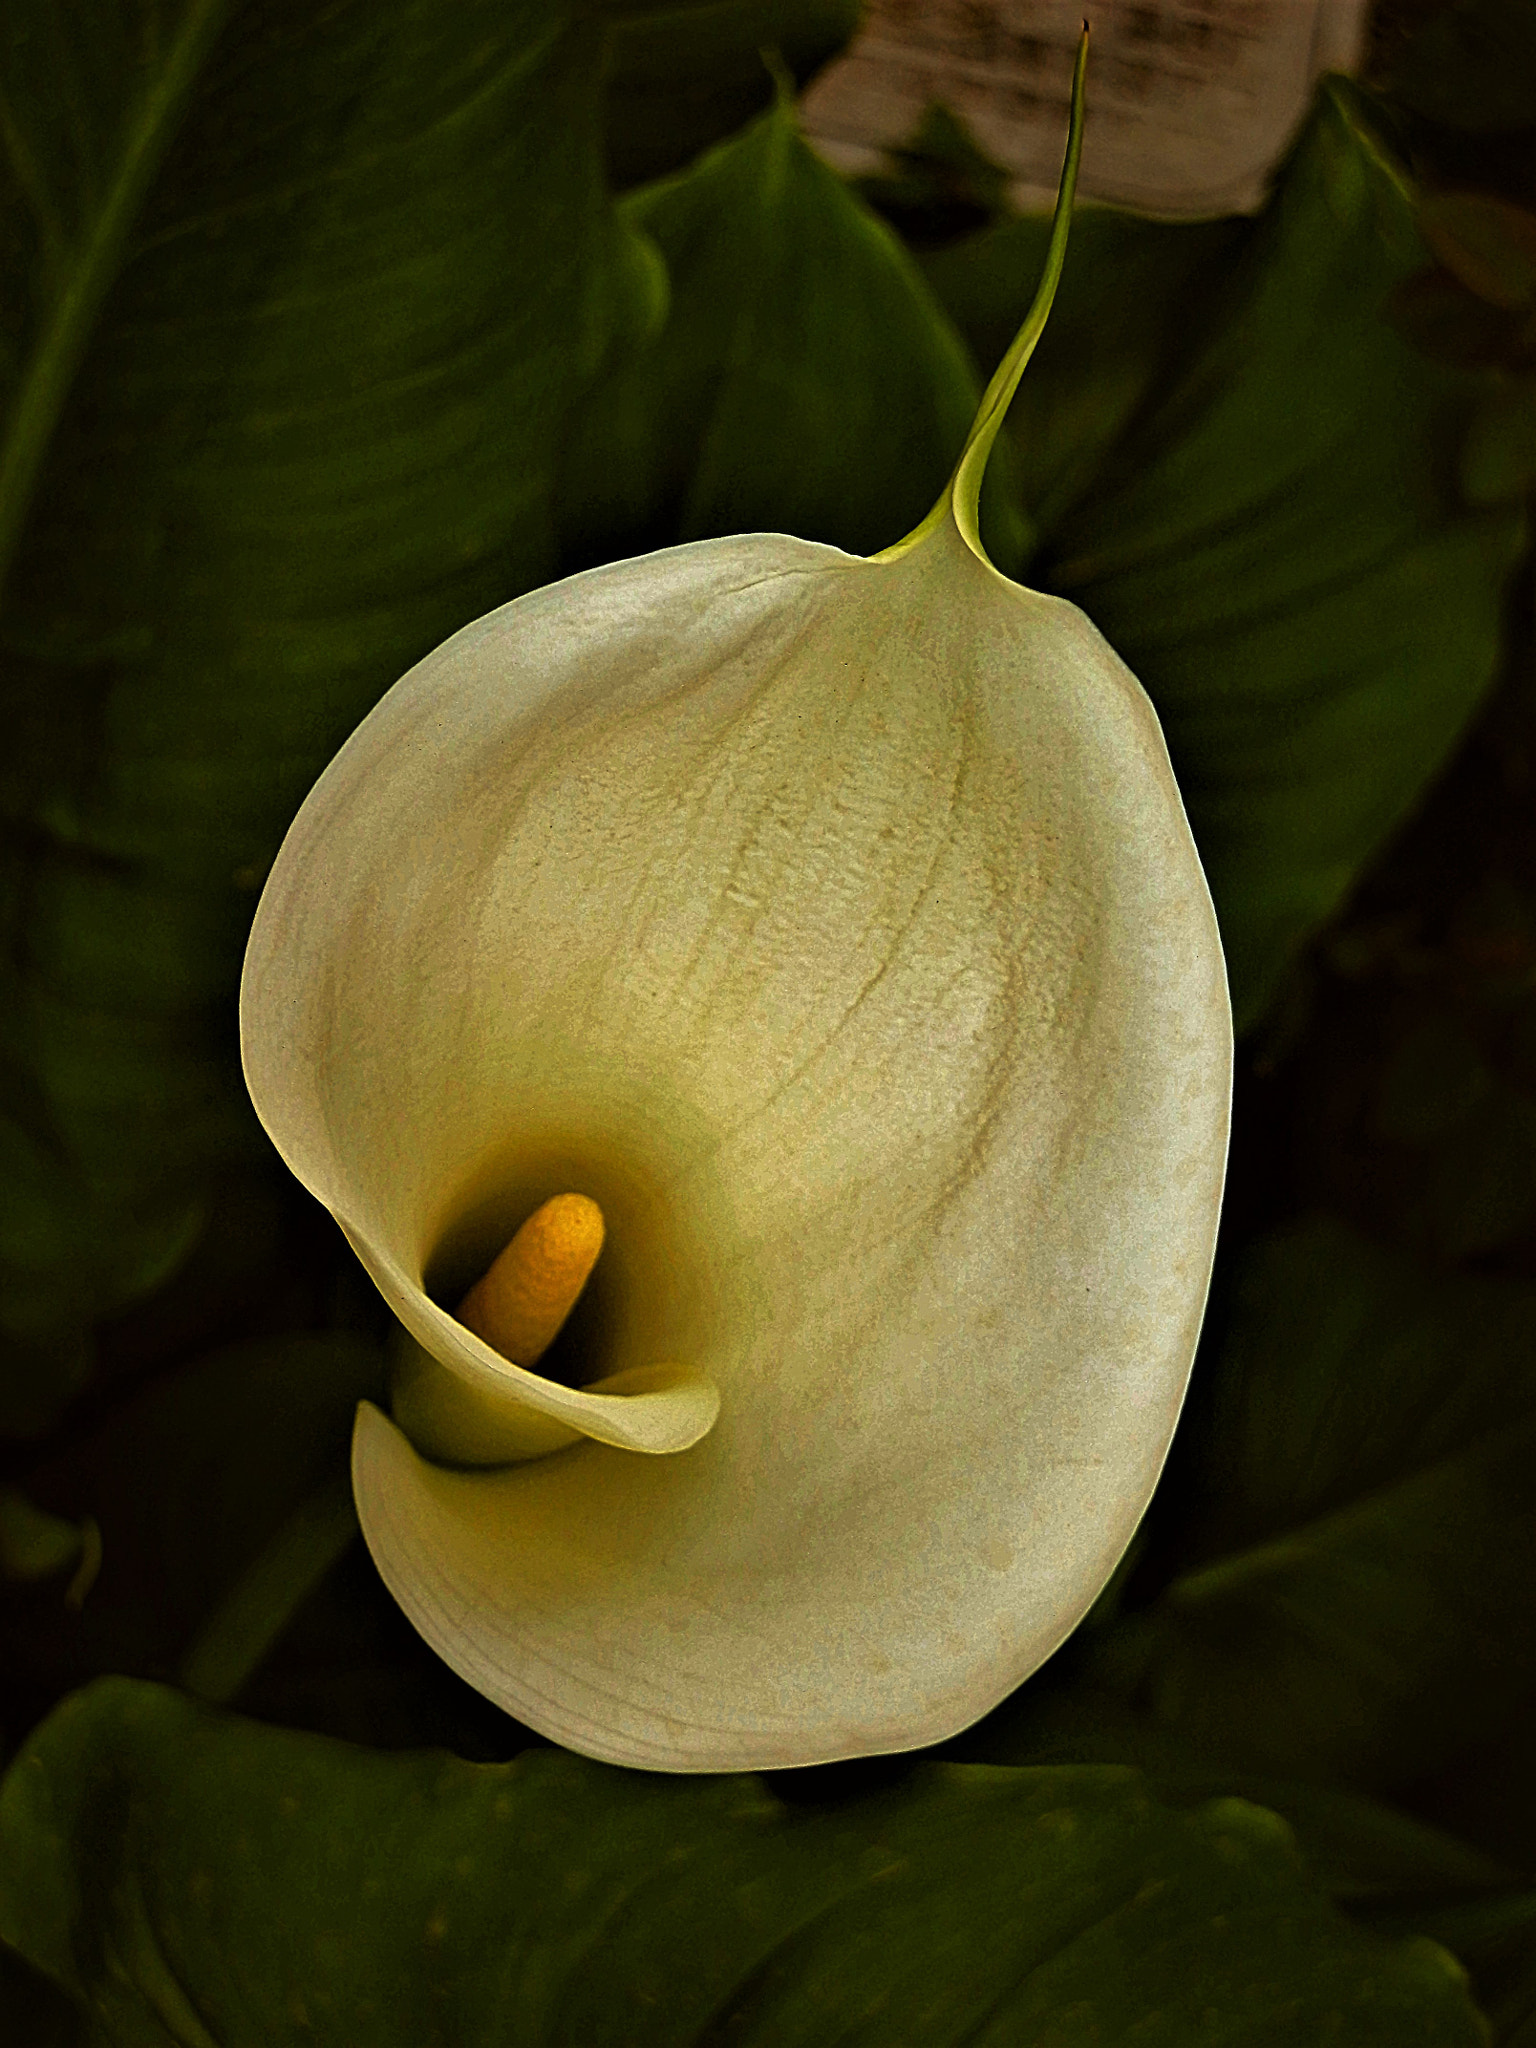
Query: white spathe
[{"x": 836, "y": 925}]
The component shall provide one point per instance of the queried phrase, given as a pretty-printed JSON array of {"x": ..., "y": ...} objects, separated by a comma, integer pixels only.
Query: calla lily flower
[{"x": 832, "y": 930}]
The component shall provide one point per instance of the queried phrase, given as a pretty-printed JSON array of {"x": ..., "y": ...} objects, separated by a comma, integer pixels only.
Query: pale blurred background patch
[{"x": 1191, "y": 102}]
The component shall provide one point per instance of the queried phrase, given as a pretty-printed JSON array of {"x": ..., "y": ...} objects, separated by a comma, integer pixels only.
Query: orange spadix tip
[{"x": 530, "y": 1289}]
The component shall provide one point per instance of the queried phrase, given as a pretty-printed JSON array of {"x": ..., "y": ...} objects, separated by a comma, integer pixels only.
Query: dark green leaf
[
  {"x": 1375, "y": 1860},
  {"x": 1499, "y": 460},
  {"x": 224, "y": 1513},
  {"x": 298, "y": 301},
  {"x": 940, "y": 186},
  {"x": 1470, "y": 64},
  {"x": 683, "y": 78},
  {"x": 805, "y": 381},
  {"x": 1512, "y": 2006},
  {"x": 1368, "y": 1465},
  {"x": 1387, "y": 1869},
  {"x": 34, "y": 1544},
  {"x": 216, "y": 1495},
  {"x": 33, "y": 2013},
  {"x": 195, "y": 1878},
  {"x": 1255, "y": 498},
  {"x": 1434, "y": 1077},
  {"x": 1488, "y": 1795}
]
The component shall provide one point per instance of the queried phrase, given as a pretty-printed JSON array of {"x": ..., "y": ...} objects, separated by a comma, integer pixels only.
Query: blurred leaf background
[{"x": 327, "y": 329}]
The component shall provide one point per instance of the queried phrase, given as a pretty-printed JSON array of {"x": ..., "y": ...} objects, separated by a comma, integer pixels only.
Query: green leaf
[
  {"x": 684, "y": 78},
  {"x": 1495, "y": 1935},
  {"x": 193, "y": 1878},
  {"x": 805, "y": 381},
  {"x": 1511, "y": 1971},
  {"x": 940, "y": 185},
  {"x": 1379, "y": 1863},
  {"x": 1488, "y": 1795},
  {"x": 298, "y": 302},
  {"x": 1259, "y": 509},
  {"x": 34, "y": 2012},
  {"x": 34, "y": 1544},
  {"x": 220, "y": 1495},
  {"x": 1358, "y": 1602},
  {"x": 1385, "y": 1868},
  {"x": 1499, "y": 460},
  {"x": 1470, "y": 64}
]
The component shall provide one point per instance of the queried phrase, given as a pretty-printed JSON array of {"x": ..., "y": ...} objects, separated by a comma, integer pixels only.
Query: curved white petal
[{"x": 837, "y": 926}]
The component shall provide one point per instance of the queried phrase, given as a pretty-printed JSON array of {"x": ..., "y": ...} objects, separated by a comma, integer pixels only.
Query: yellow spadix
[
  {"x": 834, "y": 926},
  {"x": 520, "y": 1302}
]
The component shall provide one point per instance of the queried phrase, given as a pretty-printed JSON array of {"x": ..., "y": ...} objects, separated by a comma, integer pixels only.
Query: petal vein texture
[{"x": 835, "y": 924}]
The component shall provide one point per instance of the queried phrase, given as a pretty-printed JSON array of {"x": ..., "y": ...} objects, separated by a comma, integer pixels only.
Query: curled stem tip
[
  {"x": 965, "y": 486},
  {"x": 962, "y": 494}
]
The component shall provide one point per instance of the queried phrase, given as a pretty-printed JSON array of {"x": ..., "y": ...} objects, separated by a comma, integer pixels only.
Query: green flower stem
[{"x": 962, "y": 495}]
